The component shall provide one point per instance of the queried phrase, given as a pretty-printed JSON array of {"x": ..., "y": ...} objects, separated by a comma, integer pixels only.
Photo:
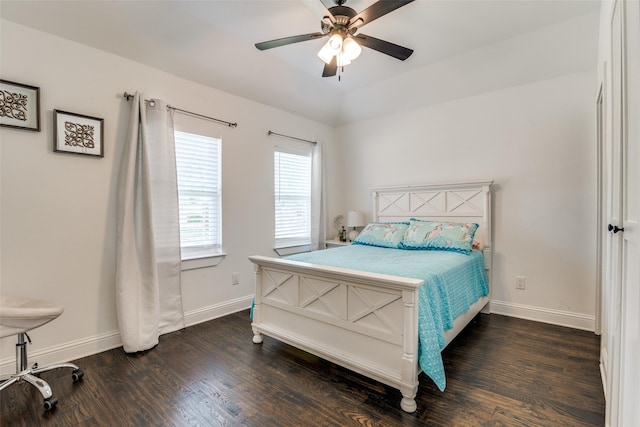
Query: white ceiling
[{"x": 212, "y": 42}]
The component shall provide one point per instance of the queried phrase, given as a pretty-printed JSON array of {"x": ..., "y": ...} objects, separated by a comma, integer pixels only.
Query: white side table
[{"x": 334, "y": 243}]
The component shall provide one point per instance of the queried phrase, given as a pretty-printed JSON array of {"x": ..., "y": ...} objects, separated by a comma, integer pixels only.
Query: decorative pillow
[
  {"x": 439, "y": 235},
  {"x": 383, "y": 234}
]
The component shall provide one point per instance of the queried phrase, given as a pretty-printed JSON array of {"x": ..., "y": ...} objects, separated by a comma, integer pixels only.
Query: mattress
[{"x": 452, "y": 283}]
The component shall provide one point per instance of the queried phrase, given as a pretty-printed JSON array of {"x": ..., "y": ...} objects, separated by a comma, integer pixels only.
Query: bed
[{"x": 370, "y": 321}]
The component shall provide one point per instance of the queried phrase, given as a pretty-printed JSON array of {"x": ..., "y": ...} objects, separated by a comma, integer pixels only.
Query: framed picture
[
  {"x": 19, "y": 106},
  {"x": 78, "y": 134}
]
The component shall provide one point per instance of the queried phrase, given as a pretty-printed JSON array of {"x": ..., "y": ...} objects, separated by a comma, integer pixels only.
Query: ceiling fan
[{"x": 341, "y": 23}]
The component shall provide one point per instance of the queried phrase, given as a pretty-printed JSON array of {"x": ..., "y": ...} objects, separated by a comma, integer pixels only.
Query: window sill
[
  {"x": 290, "y": 250},
  {"x": 202, "y": 262}
]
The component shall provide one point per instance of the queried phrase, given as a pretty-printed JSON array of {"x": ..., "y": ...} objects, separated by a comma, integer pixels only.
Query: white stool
[{"x": 17, "y": 316}]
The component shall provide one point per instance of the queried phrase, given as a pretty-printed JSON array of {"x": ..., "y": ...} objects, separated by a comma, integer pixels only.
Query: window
[
  {"x": 292, "y": 184},
  {"x": 198, "y": 161}
]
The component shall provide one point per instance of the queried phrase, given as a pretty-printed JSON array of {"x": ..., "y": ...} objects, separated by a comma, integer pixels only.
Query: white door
[
  {"x": 613, "y": 242},
  {"x": 621, "y": 290},
  {"x": 629, "y": 394}
]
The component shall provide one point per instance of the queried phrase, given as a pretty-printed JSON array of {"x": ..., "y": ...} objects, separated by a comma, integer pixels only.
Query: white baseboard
[
  {"x": 205, "y": 314},
  {"x": 92, "y": 345},
  {"x": 64, "y": 352},
  {"x": 545, "y": 315}
]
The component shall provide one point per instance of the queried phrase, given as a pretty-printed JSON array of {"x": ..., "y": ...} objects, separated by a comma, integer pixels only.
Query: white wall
[
  {"x": 536, "y": 141},
  {"x": 58, "y": 210}
]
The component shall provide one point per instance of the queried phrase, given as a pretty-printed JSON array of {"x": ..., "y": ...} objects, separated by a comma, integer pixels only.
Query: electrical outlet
[
  {"x": 520, "y": 282},
  {"x": 235, "y": 278}
]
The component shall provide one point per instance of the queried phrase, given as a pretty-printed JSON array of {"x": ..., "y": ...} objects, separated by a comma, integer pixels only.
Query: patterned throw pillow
[
  {"x": 383, "y": 234},
  {"x": 439, "y": 235}
]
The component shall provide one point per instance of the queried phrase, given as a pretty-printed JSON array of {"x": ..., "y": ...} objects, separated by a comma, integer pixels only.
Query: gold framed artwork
[
  {"x": 19, "y": 106},
  {"x": 78, "y": 134}
]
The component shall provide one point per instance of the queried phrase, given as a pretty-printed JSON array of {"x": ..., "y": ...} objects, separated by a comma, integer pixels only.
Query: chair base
[{"x": 30, "y": 375}]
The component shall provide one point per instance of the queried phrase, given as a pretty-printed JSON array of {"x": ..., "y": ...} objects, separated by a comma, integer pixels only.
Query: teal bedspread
[{"x": 452, "y": 283}]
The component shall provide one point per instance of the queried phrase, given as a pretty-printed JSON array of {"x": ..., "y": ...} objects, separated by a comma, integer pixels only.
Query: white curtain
[
  {"x": 318, "y": 203},
  {"x": 148, "y": 290}
]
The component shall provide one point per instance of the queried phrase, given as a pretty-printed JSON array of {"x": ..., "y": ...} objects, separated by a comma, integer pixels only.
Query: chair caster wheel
[
  {"x": 50, "y": 403},
  {"x": 77, "y": 375}
]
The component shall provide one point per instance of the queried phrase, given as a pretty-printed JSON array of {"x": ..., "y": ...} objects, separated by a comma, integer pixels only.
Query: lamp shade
[
  {"x": 331, "y": 48},
  {"x": 355, "y": 219},
  {"x": 335, "y": 43},
  {"x": 351, "y": 49},
  {"x": 326, "y": 53}
]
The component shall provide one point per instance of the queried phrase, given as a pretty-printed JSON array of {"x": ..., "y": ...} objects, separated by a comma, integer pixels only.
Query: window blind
[
  {"x": 198, "y": 161},
  {"x": 292, "y": 184}
]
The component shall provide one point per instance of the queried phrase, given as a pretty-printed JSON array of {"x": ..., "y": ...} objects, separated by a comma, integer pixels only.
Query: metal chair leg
[
  {"x": 40, "y": 384},
  {"x": 24, "y": 373}
]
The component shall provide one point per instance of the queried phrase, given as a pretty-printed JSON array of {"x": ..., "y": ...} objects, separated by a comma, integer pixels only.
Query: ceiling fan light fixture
[
  {"x": 351, "y": 49},
  {"x": 326, "y": 53},
  {"x": 331, "y": 48},
  {"x": 335, "y": 43}
]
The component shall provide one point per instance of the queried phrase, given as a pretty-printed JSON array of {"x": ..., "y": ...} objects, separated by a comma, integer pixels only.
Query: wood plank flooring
[{"x": 501, "y": 371}]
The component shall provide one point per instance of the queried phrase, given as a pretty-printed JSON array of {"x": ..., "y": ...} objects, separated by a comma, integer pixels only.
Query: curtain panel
[
  {"x": 318, "y": 202},
  {"x": 148, "y": 289}
]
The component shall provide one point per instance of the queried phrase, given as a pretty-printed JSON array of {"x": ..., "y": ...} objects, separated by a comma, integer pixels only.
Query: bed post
[
  {"x": 257, "y": 302},
  {"x": 410, "y": 352},
  {"x": 488, "y": 250},
  {"x": 374, "y": 199}
]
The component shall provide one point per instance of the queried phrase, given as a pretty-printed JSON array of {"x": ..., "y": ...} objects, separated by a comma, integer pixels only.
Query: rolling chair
[{"x": 17, "y": 316}]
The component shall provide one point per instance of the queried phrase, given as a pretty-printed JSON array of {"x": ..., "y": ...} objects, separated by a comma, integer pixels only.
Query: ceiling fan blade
[
  {"x": 330, "y": 69},
  {"x": 375, "y": 11},
  {"x": 288, "y": 40},
  {"x": 385, "y": 47}
]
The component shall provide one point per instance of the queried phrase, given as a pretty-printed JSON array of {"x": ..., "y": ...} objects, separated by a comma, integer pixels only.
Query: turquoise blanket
[{"x": 452, "y": 283}]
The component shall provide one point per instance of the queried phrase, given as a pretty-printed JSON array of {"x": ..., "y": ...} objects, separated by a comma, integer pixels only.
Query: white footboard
[{"x": 365, "y": 322}]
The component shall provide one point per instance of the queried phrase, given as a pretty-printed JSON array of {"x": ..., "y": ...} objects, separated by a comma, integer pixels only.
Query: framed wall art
[
  {"x": 19, "y": 106},
  {"x": 78, "y": 134}
]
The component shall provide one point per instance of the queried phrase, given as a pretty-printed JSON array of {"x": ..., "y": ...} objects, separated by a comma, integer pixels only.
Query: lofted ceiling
[{"x": 212, "y": 42}]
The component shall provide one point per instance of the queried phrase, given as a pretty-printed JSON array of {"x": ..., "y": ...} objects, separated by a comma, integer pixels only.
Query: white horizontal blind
[
  {"x": 198, "y": 160},
  {"x": 292, "y": 184}
]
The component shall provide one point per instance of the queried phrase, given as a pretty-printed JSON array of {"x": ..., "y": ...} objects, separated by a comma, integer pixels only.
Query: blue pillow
[
  {"x": 439, "y": 235},
  {"x": 382, "y": 234}
]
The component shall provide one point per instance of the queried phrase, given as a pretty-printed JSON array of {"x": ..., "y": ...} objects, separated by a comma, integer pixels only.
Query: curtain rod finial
[{"x": 127, "y": 96}]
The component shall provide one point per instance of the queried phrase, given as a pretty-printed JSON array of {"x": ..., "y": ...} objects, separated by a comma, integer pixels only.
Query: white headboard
[{"x": 459, "y": 202}]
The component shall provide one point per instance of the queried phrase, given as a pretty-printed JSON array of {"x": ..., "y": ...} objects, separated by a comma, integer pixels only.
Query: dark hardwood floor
[{"x": 501, "y": 371}]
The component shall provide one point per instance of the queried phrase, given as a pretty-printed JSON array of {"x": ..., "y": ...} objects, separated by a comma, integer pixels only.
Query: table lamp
[{"x": 354, "y": 219}]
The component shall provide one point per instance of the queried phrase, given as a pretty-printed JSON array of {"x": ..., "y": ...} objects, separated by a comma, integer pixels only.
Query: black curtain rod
[
  {"x": 128, "y": 96},
  {"x": 292, "y": 137}
]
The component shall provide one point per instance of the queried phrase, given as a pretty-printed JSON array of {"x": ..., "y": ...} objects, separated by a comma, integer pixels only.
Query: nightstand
[{"x": 334, "y": 243}]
